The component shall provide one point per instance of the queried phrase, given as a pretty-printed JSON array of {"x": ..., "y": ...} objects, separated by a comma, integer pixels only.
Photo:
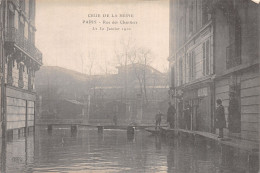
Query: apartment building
[
  {"x": 20, "y": 60},
  {"x": 214, "y": 55}
]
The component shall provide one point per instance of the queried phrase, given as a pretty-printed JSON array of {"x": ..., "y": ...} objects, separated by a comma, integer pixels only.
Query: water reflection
[
  {"x": 17, "y": 150},
  {"x": 62, "y": 150}
]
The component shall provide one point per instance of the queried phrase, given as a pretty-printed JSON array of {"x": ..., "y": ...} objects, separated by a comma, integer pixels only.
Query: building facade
[
  {"x": 214, "y": 55},
  {"x": 104, "y": 96},
  {"x": 20, "y": 60}
]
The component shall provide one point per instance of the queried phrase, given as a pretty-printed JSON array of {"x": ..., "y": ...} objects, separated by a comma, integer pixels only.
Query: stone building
[
  {"x": 104, "y": 95},
  {"x": 20, "y": 59},
  {"x": 214, "y": 55}
]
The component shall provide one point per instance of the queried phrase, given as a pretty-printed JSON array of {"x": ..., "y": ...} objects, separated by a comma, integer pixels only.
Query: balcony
[
  {"x": 233, "y": 55},
  {"x": 13, "y": 36}
]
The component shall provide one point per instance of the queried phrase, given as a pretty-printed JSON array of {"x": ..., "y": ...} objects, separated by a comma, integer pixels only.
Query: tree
[{"x": 140, "y": 59}]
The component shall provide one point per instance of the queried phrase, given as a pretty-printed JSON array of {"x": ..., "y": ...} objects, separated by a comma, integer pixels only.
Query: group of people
[
  {"x": 220, "y": 120},
  {"x": 170, "y": 117}
]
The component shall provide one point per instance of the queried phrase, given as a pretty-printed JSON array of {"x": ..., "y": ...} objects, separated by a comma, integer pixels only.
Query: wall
[
  {"x": 250, "y": 89},
  {"x": 248, "y": 76},
  {"x": 247, "y": 12},
  {"x": 16, "y": 108},
  {"x": 222, "y": 92},
  {"x": 221, "y": 41},
  {"x": 250, "y": 36},
  {"x": 16, "y": 113},
  {"x": 15, "y": 75}
]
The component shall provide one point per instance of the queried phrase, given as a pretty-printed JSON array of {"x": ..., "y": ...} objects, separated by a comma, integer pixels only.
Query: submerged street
[
  {"x": 129, "y": 86},
  {"x": 114, "y": 151}
]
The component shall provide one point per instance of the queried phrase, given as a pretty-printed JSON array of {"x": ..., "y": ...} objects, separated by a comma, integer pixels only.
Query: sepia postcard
[{"x": 97, "y": 86}]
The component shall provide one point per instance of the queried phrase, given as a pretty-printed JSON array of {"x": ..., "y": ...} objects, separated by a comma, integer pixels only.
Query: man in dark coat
[
  {"x": 171, "y": 115},
  {"x": 220, "y": 120}
]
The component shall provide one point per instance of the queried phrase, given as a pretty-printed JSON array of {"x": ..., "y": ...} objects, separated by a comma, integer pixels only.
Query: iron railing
[
  {"x": 233, "y": 55},
  {"x": 12, "y": 35}
]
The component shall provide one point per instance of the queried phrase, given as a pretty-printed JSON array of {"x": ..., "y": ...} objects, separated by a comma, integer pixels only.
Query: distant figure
[
  {"x": 220, "y": 121},
  {"x": 115, "y": 120},
  {"x": 171, "y": 115},
  {"x": 158, "y": 119},
  {"x": 187, "y": 116}
]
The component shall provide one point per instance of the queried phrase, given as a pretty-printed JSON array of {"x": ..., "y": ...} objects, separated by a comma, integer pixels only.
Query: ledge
[{"x": 237, "y": 68}]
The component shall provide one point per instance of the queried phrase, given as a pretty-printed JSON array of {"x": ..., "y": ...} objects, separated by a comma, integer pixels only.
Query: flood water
[{"x": 114, "y": 151}]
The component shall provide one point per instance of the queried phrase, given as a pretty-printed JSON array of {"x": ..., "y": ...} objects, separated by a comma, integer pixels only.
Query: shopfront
[{"x": 198, "y": 100}]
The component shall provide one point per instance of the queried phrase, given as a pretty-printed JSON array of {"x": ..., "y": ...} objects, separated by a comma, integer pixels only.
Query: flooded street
[{"x": 113, "y": 151}]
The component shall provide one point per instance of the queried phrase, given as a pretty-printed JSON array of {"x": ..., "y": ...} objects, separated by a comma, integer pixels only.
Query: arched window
[
  {"x": 9, "y": 67},
  {"x": 20, "y": 81}
]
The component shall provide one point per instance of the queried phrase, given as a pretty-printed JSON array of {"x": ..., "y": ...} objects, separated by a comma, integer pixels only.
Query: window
[
  {"x": 199, "y": 14},
  {"x": 205, "y": 12},
  {"x": 192, "y": 65},
  {"x": 22, "y": 4},
  {"x": 206, "y": 57},
  {"x": 187, "y": 70},
  {"x": 26, "y": 30},
  {"x": 11, "y": 19},
  {"x": 26, "y": 6},
  {"x": 29, "y": 77},
  {"x": 181, "y": 71},
  {"x": 191, "y": 17},
  {"x": 181, "y": 31},
  {"x": 10, "y": 64},
  {"x": 31, "y": 36},
  {"x": 172, "y": 76},
  {"x": 233, "y": 51},
  {"x": 21, "y": 72},
  {"x": 31, "y": 9},
  {"x": 9, "y": 68},
  {"x": 21, "y": 28},
  {"x": 16, "y": 20}
]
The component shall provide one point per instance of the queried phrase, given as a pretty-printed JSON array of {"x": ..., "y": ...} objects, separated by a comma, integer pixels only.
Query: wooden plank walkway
[
  {"x": 153, "y": 131},
  {"x": 104, "y": 126},
  {"x": 251, "y": 146}
]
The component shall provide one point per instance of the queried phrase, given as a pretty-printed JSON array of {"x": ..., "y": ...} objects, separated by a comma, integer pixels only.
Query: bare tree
[
  {"x": 140, "y": 59},
  {"x": 123, "y": 56},
  {"x": 90, "y": 61}
]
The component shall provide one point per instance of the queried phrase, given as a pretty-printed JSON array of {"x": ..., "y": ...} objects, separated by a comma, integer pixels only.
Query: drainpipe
[
  {"x": 213, "y": 94},
  {"x": 3, "y": 90},
  {"x": 3, "y": 5}
]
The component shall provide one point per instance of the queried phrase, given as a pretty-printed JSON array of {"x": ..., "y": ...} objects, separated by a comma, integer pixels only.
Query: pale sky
[{"x": 66, "y": 41}]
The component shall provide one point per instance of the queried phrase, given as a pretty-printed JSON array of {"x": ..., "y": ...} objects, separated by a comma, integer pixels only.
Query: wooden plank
[
  {"x": 250, "y": 83},
  {"x": 250, "y": 109},
  {"x": 250, "y": 91},
  {"x": 254, "y": 100}
]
